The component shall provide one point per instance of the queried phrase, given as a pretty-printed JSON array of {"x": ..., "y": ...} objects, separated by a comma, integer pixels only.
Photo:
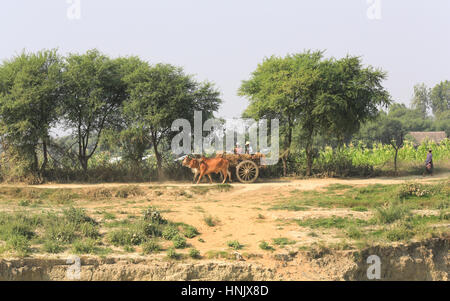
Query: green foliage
[
  {"x": 265, "y": 246},
  {"x": 190, "y": 231},
  {"x": 210, "y": 221},
  {"x": 53, "y": 247},
  {"x": 234, "y": 244},
  {"x": 194, "y": 253},
  {"x": 179, "y": 242},
  {"x": 391, "y": 213},
  {"x": 172, "y": 254},
  {"x": 151, "y": 246},
  {"x": 283, "y": 241},
  {"x": 170, "y": 232}
]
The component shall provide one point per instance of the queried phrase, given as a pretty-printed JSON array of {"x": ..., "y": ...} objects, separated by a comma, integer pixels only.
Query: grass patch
[
  {"x": 265, "y": 246},
  {"x": 234, "y": 244}
]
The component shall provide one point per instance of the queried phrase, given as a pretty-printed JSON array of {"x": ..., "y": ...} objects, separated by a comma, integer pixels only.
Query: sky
[{"x": 223, "y": 41}]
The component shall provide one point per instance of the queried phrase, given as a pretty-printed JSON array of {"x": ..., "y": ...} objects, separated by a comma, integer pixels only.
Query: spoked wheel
[{"x": 247, "y": 171}]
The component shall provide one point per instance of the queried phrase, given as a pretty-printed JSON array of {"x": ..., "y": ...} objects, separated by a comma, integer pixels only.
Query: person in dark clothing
[{"x": 429, "y": 163}]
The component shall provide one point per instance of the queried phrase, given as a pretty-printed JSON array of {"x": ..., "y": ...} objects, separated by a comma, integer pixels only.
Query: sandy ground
[{"x": 241, "y": 213}]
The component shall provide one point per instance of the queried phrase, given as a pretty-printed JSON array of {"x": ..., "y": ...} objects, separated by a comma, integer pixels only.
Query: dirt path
[{"x": 303, "y": 184}]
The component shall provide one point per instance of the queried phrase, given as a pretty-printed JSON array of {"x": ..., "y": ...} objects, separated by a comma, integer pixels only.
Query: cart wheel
[{"x": 247, "y": 171}]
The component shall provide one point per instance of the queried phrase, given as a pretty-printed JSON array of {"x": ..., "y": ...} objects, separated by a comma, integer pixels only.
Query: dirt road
[{"x": 303, "y": 184}]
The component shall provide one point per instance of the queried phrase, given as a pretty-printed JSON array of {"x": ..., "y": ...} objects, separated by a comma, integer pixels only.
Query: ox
[{"x": 206, "y": 166}]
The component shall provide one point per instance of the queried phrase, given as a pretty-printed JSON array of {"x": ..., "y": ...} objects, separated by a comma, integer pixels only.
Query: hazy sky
[{"x": 223, "y": 41}]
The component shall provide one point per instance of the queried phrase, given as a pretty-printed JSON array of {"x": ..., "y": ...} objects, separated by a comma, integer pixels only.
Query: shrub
[
  {"x": 124, "y": 237},
  {"x": 190, "y": 231},
  {"x": 52, "y": 247},
  {"x": 234, "y": 244},
  {"x": 265, "y": 246},
  {"x": 210, "y": 221},
  {"x": 20, "y": 244},
  {"x": 179, "y": 242},
  {"x": 172, "y": 254},
  {"x": 282, "y": 241},
  {"x": 194, "y": 253},
  {"x": 60, "y": 231},
  {"x": 78, "y": 216},
  {"x": 170, "y": 232},
  {"x": 151, "y": 246},
  {"x": 89, "y": 230},
  {"x": 129, "y": 190},
  {"x": 87, "y": 246},
  {"x": 154, "y": 216},
  {"x": 390, "y": 214},
  {"x": 413, "y": 189}
]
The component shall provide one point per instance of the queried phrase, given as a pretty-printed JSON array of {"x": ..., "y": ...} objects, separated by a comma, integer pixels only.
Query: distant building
[{"x": 419, "y": 137}]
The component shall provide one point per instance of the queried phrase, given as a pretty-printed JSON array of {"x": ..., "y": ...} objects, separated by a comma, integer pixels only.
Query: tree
[
  {"x": 30, "y": 93},
  {"x": 320, "y": 96},
  {"x": 421, "y": 99},
  {"x": 94, "y": 91},
  {"x": 392, "y": 132},
  {"x": 440, "y": 98},
  {"x": 158, "y": 95}
]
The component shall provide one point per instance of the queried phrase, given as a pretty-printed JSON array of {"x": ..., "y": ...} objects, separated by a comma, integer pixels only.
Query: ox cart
[{"x": 246, "y": 166}]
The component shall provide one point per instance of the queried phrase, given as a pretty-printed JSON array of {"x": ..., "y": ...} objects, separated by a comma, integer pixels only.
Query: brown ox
[{"x": 206, "y": 166}]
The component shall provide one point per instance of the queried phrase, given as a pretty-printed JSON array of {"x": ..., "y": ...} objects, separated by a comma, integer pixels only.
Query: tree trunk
[
  {"x": 158, "y": 161},
  {"x": 309, "y": 154},
  {"x": 395, "y": 160}
]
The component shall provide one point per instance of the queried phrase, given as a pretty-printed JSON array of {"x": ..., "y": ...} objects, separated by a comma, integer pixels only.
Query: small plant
[
  {"x": 52, "y": 247},
  {"x": 128, "y": 249},
  {"x": 179, "y": 242},
  {"x": 354, "y": 232},
  {"x": 109, "y": 216},
  {"x": 170, "y": 232},
  {"x": 260, "y": 216},
  {"x": 151, "y": 246},
  {"x": 78, "y": 216},
  {"x": 194, "y": 253},
  {"x": 282, "y": 241},
  {"x": 24, "y": 203},
  {"x": 210, "y": 221},
  {"x": 87, "y": 246},
  {"x": 154, "y": 216},
  {"x": 190, "y": 231},
  {"x": 234, "y": 244},
  {"x": 413, "y": 189},
  {"x": 172, "y": 254},
  {"x": 389, "y": 214},
  {"x": 89, "y": 230},
  {"x": 20, "y": 244},
  {"x": 265, "y": 246}
]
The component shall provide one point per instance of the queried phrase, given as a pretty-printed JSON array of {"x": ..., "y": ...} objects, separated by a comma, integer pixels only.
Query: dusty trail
[{"x": 303, "y": 184}]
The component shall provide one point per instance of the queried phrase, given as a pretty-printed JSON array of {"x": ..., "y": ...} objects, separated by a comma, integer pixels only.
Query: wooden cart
[{"x": 246, "y": 166}]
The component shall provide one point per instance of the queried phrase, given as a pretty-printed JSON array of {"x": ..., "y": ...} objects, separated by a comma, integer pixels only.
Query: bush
[
  {"x": 52, "y": 247},
  {"x": 179, "y": 242},
  {"x": 87, "y": 246},
  {"x": 190, "y": 231},
  {"x": 60, "y": 231},
  {"x": 170, "y": 232},
  {"x": 194, "y": 253},
  {"x": 413, "y": 189},
  {"x": 390, "y": 214},
  {"x": 234, "y": 244},
  {"x": 265, "y": 246},
  {"x": 124, "y": 237},
  {"x": 78, "y": 216},
  {"x": 154, "y": 216},
  {"x": 20, "y": 244},
  {"x": 151, "y": 246},
  {"x": 172, "y": 254}
]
